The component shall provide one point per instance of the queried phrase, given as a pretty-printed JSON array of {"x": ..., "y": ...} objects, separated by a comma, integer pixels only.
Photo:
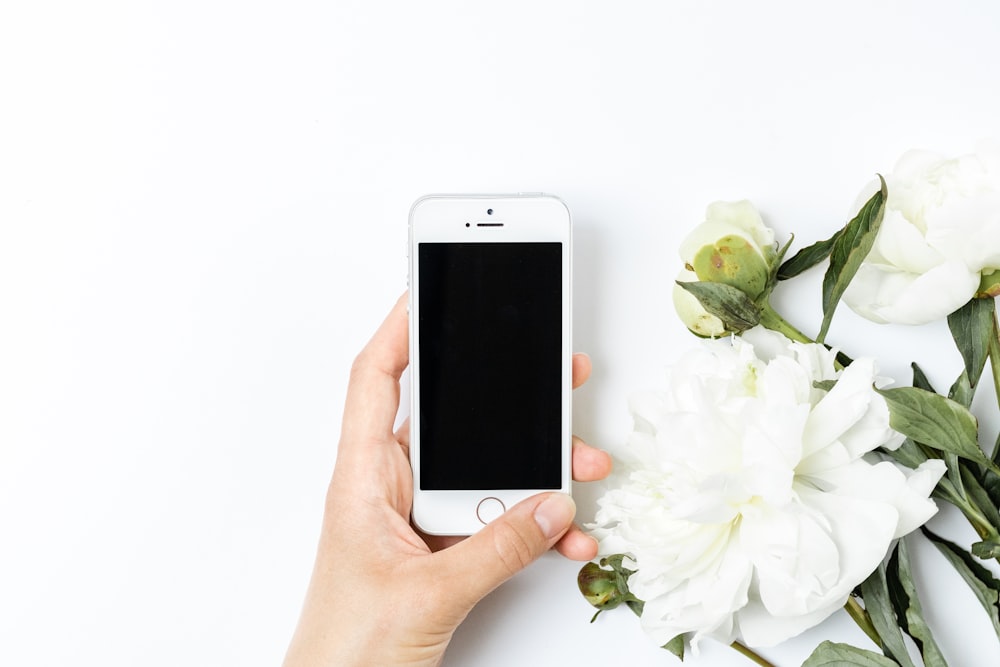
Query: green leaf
[
  {"x": 907, "y": 606},
  {"x": 772, "y": 278},
  {"x": 977, "y": 493},
  {"x": 920, "y": 380},
  {"x": 934, "y": 420},
  {"x": 961, "y": 390},
  {"x": 850, "y": 248},
  {"x": 737, "y": 311},
  {"x": 875, "y": 591},
  {"x": 986, "y": 549},
  {"x": 984, "y": 585},
  {"x": 952, "y": 484},
  {"x": 676, "y": 646},
  {"x": 807, "y": 258},
  {"x": 991, "y": 484},
  {"x": 953, "y": 470},
  {"x": 995, "y": 367},
  {"x": 995, "y": 456},
  {"x": 991, "y": 480},
  {"x": 825, "y": 385},
  {"x": 970, "y": 327},
  {"x": 909, "y": 454},
  {"x": 830, "y": 654}
]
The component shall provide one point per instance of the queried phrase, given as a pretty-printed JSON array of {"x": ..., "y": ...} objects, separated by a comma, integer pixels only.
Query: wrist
[{"x": 357, "y": 638}]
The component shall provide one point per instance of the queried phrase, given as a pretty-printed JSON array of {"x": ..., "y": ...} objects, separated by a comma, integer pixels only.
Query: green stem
[
  {"x": 980, "y": 523},
  {"x": 860, "y": 616},
  {"x": 740, "y": 648},
  {"x": 770, "y": 318}
]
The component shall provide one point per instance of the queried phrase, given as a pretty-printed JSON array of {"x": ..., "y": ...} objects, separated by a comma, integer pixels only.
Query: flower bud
[
  {"x": 599, "y": 586},
  {"x": 733, "y": 246}
]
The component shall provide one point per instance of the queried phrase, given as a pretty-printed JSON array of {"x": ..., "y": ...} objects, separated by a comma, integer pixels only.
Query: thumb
[{"x": 507, "y": 545}]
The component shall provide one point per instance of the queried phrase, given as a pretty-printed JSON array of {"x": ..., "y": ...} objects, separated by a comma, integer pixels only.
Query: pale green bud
[{"x": 733, "y": 246}]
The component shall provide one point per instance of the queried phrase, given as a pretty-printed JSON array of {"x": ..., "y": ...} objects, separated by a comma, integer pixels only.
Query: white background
[{"x": 203, "y": 217}]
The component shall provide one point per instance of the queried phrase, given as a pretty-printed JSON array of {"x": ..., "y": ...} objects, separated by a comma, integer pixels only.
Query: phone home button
[{"x": 489, "y": 509}]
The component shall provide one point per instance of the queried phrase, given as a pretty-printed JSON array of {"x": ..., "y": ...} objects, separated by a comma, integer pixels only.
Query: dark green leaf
[
  {"x": 920, "y": 380},
  {"x": 909, "y": 454},
  {"x": 773, "y": 279},
  {"x": 934, "y": 420},
  {"x": 970, "y": 327},
  {"x": 907, "y": 605},
  {"x": 676, "y": 646},
  {"x": 977, "y": 493},
  {"x": 875, "y": 591},
  {"x": 842, "y": 358},
  {"x": 830, "y": 654},
  {"x": 991, "y": 484},
  {"x": 737, "y": 311},
  {"x": 807, "y": 258},
  {"x": 982, "y": 582},
  {"x": 991, "y": 481},
  {"x": 850, "y": 247}
]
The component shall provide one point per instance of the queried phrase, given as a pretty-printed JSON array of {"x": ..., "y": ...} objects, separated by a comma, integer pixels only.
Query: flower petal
[
  {"x": 885, "y": 295},
  {"x": 967, "y": 229}
]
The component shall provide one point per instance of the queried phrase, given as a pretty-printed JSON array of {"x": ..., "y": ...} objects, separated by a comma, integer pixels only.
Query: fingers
[
  {"x": 373, "y": 392},
  {"x": 577, "y": 545},
  {"x": 506, "y": 546},
  {"x": 589, "y": 463},
  {"x": 581, "y": 369}
]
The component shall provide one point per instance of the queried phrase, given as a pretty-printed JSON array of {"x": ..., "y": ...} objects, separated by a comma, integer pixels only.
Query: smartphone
[{"x": 490, "y": 355}]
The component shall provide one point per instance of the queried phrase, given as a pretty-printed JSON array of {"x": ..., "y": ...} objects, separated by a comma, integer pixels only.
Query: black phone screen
[{"x": 490, "y": 348}]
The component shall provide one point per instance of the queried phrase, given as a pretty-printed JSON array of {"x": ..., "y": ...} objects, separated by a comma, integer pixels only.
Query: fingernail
[{"x": 554, "y": 515}]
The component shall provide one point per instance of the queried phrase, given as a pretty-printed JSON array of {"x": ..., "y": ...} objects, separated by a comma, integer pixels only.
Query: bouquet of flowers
[{"x": 777, "y": 479}]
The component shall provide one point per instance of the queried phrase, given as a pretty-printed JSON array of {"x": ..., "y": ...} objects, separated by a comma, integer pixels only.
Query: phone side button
[{"x": 489, "y": 509}]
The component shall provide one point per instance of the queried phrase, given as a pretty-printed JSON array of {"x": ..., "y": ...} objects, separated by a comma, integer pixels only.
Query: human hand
[{"x": 381, "y": 592}]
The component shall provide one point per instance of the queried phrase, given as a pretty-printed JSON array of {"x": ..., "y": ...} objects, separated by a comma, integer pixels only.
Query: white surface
[{"x": 203, "y": 217}]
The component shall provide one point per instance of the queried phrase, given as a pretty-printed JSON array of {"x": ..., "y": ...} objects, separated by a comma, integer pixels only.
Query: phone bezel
[{"x": 464, "y": 218}]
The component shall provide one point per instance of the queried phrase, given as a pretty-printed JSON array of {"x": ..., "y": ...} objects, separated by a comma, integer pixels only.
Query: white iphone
[{"x": 490, "y": 356}]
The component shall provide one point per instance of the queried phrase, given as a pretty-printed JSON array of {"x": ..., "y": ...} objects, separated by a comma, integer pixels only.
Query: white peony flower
[
  {"x": 747, "y": 502},
  {"x": 939, "y": 237}
]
